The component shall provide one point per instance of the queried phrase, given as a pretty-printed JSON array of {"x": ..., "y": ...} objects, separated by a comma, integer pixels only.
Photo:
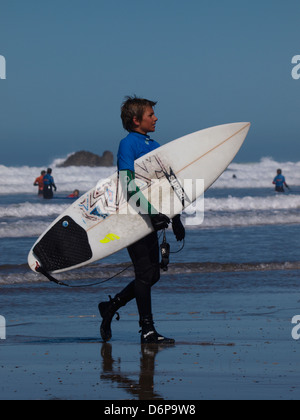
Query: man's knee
[
  {"x": 148, "y": 275},
  {"x": 156, "y": 274}
]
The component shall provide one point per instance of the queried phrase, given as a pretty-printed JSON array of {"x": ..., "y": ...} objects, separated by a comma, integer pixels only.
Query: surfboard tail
[{"x": 63, "y": 246}]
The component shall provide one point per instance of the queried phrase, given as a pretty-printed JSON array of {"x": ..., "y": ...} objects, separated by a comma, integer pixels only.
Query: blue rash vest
[
  {"x": 48, "y": 180},
  {"x": 132, "y": 147},
  {"x": 279, "y": 180}
]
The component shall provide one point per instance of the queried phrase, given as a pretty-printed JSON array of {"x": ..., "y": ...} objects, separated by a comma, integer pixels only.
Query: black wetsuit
[
  {"x": 48, "y": 186},
  {"x": 144, "y": 253},
  {"x": 145, "y": 257}
]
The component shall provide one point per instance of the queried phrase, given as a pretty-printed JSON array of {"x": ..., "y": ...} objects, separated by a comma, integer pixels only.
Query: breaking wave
[
  {"x": 238, "y": 175},
  {"x": 31, "y": 219}
]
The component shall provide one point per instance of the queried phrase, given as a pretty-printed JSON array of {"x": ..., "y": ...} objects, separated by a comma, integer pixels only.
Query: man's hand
[
  {"x": 178, "y": 228},
  {"x": 160, "y": 221}
]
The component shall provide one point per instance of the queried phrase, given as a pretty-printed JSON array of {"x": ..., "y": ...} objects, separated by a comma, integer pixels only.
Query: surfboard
[{"x": 102, "y": 222}]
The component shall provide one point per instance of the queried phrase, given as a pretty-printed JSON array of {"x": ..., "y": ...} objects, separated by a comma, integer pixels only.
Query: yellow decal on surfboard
[{"x": 110, "y": 237}]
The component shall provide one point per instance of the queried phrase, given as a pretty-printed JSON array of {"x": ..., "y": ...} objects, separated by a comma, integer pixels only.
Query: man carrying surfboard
[{"x": 139, "y": 119}]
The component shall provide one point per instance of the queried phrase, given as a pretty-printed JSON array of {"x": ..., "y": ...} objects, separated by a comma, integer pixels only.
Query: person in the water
[
  {"x": 49, "y": 185},
  {"x": 75, "y": 194},
  {"x": 279, "y": 182},
  {"x": 39, "y": 182}
]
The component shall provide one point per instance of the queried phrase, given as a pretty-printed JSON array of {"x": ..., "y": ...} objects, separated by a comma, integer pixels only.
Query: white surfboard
[{"x": 101, "y": 222}]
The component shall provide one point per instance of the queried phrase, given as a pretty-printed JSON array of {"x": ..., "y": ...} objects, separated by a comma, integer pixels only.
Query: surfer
[
  {"x": 279, "y": 182},
  {"x": 39, "y": 182},
  {"x": 139, "y": 119},
  {"x": 75, "y": 194},
  {"x": 49, "y": 185}
]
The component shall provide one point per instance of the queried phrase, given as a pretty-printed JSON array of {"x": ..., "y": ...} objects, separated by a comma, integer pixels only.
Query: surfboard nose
[
  {"x": 242, "y": 131},
  {"x": 63, "y": 246}
]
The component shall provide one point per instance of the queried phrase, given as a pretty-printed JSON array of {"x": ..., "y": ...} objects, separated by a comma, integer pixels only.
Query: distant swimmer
[
  {"x": 279, "y": 182},
  {"x": 39, "y": 182},
  {"x": 49, "y": 185},
  {"x": 75, "y": 194}
]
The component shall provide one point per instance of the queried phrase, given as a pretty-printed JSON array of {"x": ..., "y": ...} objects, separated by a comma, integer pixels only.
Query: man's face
[{"x": 148, "y": 122}]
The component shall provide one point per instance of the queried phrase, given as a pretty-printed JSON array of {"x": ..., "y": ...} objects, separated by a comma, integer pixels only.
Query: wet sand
[{"x": 232, "y": 331}]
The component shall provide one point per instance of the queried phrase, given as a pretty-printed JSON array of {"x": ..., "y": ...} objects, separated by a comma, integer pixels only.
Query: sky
[{"x": 70, "y": 63}]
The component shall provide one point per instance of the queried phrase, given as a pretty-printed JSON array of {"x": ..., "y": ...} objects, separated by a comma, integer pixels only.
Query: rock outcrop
[{"x": 84, "y": 158}]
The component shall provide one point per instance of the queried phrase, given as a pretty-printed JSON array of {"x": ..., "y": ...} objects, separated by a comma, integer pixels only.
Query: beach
[
  {"x": 233, "y": 341},
  {"x": 228, "y": 299}
]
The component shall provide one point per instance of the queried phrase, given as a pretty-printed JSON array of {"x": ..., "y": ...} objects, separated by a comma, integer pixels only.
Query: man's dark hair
[{"x": 134, "y": 107}]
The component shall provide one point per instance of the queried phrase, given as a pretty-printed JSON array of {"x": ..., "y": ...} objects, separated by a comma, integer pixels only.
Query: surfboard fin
[{"x": 39, "y": 269}]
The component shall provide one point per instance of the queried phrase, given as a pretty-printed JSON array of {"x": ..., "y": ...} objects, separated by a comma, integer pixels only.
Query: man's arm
[
  {"x": 140, "y": 203},
  {"x": 53, "y": 184},
  {"x": 285, "y": 184}
]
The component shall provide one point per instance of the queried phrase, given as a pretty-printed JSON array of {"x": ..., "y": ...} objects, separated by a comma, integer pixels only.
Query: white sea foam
[
  {"x": 247, "y": 175},
  {"x": 258, "y": 174},
  {"x": 93, "y": 274},
  {"x": 30, "y": 220},
  {"x": 27, "y": 210},
  {"x": 27, "y": 218},
  {"x": 228, "y": 204},
  {"x": 275, "y": 202},
  {"x": 239, "y": 219},
  {"x": 245, "y": 211},
  {"x": 14, "y": 180},
  {"x": 22, "y": 229}
]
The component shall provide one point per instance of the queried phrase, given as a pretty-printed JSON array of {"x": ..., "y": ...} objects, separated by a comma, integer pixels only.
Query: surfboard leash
[
  {"x": 165, "y": 252},
  {"x": 61, "y": 283},
  {"x": 40, "y": 270}
]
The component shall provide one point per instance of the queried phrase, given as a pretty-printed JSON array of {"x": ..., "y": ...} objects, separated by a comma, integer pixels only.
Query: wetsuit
[
  {"x": 40, "y": 183},
  {"x": 279, "y": 182},
  {"x": 145, "y": 252},
  {"x": 132, "y": 147},
  {"x": 48, "y": 185}
]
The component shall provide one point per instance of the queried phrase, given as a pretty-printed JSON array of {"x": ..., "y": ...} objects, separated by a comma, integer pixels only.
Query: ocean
[{"x": 246, "y": 227}]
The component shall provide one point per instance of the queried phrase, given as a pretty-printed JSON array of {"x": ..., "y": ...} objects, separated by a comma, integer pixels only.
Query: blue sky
[{"x": 207, "y": 62}]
